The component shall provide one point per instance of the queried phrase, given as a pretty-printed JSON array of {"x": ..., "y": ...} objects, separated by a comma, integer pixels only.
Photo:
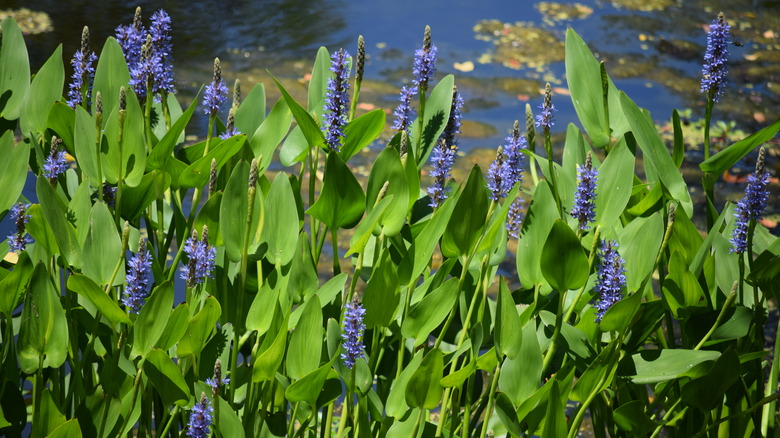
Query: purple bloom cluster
[
  {"x": 19, "y": 240},
  {"x": 216, "y": 92},
  {"x": 545, "y": 118},
  {"x": 499, "y": 177},
  {"x": 138, "y": 278},
  {"x": 455, "y": 120},
  {"x": 610, "y": 278},
  {"x": 201, "y": 416},
  {"x": 201, "y": 257},
  {"x": 751, "y": 206},
  {"x": 515, "y": 217},
  {"x": 162, "y": 50},
  {"x": 442, "y": 157},
  {"x": 425, "y": 61},
  {"x": 714, "y": 71},
  {"x": 352, "y": 338},
  {"x": 337, "y": 100},
  {"x": 83, "y": 72},
  {"x": 217, "y": 382},
  {"x": 148, "y": 53},
  {"x": 584, "y": 209},
  {"x": 56, "y": 163},
  {"x": 515, "y": 159},
  {"x": 404, "y": 113}
]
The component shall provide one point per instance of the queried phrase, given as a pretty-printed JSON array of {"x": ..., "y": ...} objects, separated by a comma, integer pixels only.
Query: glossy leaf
[
  {"x": 200, "y": 327},
  {"x": 164, "y": 148},
  {"x": 430, "y": 312},
  {"x": 111, "y": 73},
  {"x": 305, "y": 121},
  {"x": 382, "y": 295},
  {"x": 197, "y": 173},
  {"x": 251, "y": 113},
  {"x": 508, "y": 330},
  {"x": 55, "y": 213},
  {"x": 45, "y": 89},
  {"x": 396, "y": 400},
  {"x": 361, "y": 131},
  {"x": 613, "y": 190},
  {"x": 564, "y": 264},
  {"x": 303, "y": 355},
  {"x": 166, "y": 378},
  {"x": 103, "y": 247},
  {"x": 14, "y": 70},
  {"x": 538, "y": 221},
  {"x": 309, "y": 386},
  {"x": 638, "y": 240},
  {"x": 341, "y": 202},
  {"x": 281, "y": 217},
  {"x": 437, "y": 112},
  {"x": 234, "y": 210},
  {"x": 726, "y": 158},
  {"x": 424, "y": 388},
  {"x": 387, "y": 168},
  {"x": 86, "y": 287},
  {"x": 468, "y": 218},
  {"x": 653, "y": 366},
  {"x": 270, "y": 133},
  {"x": 13, "y": 168},
  {"x": 152, "y": 320}
]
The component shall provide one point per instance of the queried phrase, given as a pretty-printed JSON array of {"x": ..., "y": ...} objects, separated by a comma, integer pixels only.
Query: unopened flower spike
[
  {"x": 584, "y": 209},
  {"x": 19, "y": 216},
  {"x": 217, "y": 382},
  {"x": 425, "y": 62},
  {"x": 714, "y": 71},
  {"x": 337, "y": 101},
  {"x": 142, "y": 74},
  {"x": 236, "y": 93},
  {"x": 352, "y": 338},
  {"x": 216, "y": 92},
  {"x": 83, "y": 73},
  {"x": 230, "y": 129},
  {"x": 138, "y": 278},
  {"x": 213, "y": 177},
  {"x": 751, "y": 206},
  {"x": 361, "y": 59},
  {"x": 442, "y": 159},
  {"x": 56, "y": 163},
  {"x": 530, "y": 128},
  {"x": 610, "y": 278},
  {"x": 201, "y": 417}
]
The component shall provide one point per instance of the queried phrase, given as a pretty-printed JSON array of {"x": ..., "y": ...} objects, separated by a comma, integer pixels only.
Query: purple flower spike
[
  {"x": 19, "y": 216},
  {"x": 751, "y": 206},
  {"x": 352, "y": 338},
  {"x": 714, "y": 71},
  {"x": 337, "y": 101},
  {"x": 584, "y": 209},
  {"x": 201, "y": 257},
  {"x": 55, "y": 164},
  {"x": 515, "y": 159},
  {"x": 83, "y": 72},
  {"x": 160, "y": 30},
  {"x": 138, "y": 278},
  {"x": 515, "y": 217},
  {"x": 216, "y": 92},
  {"x": 425, "y": 62},
  {"x": 442, "y": 158},
  {"x": 404, "y": 113},
  {"x": 131, "y": 38},
  {"x": 611, "y": 277},
  {"x": 455, "y": 120},
  {"x": 545, "y": 118},
  {"x": 201, "y": 417},
  {"x": 499, "y": 178}
]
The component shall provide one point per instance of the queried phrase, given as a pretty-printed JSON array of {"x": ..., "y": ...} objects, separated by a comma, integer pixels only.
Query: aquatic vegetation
[{"x": 505, "y": 303}]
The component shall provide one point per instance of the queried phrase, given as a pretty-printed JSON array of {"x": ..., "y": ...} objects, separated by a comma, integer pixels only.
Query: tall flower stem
[
  {"x": 120, "y": 177},
  {"x": 707, "y": 183},
  {"x": 98, "y": 140}
]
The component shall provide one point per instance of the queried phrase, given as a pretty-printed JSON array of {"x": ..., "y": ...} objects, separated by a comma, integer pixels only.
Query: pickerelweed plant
[{"x": 124, "y": 307}]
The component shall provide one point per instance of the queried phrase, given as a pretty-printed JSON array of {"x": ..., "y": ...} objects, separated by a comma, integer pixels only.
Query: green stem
[
  {"x": 120, "y": 177},
  {"x": 729, "y": 302},
  {"x": 666, "y": 417},
  {"x": 491, "y": 394},
  {"x": 136, "y": 384},
  {"x": 326, "y": 426},
  {"x": 98, "y": 138},
  {"x": 37, "y": 391},
  {"x": 417, "y": 423},
  {"x": 553, "y": 176},
  {"x": 335, "y": 243},
  {"x": 548, "y": 357},
  {"x": 170, "y": 422},
  {"x": 707, "y": 182},
  {"x": 421, "y": 119},
  {"x": 291, "y": 426}
]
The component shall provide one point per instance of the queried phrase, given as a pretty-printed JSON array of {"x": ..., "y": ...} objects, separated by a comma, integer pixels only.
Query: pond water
[{"x": 501, "y": 52}]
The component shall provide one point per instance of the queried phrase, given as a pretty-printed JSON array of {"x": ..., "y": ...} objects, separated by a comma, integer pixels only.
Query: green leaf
[
  {"x": 229, "y": 423},
  {"x": 382, "y": 295},
  {"x": 84, "y": 144},
  {"x": 365, "y": 228},
  {"x": 50, "y": 415},
  {"x": 136, "y": 199},
  {"x": 456, "y": 379},
  {"x": 61, "y": 120},
  {"x": 396, "y": 401},
  {"x": 639, "y": 243},
  {"x": 613, "y": 190},
  {"x": 342, "y": 201},
  {"x": 521, "y": 376},
  {"x": 270, "y": 133},
  {"x": 318, "y": 84},
  {"x": 729, "y": 156},
  {"x": 41, "y": 231},
  {"x": 87, "y": 288},
  {"x": 468, "y": 219},
  {"x": 619, "y": 316},
  {"x": 175, "y": 328},
  {"x": 294, "y": 149},
  {"x": 68, "y": 429},
  {"x": 426, "y": 315},
  {"x": 13, "y": 167},
  {"x": 706, "y": 393},
  {"x": 307, "y": 124},
  {"x": 682, "y": 292},
  {"x": 598, "y": 375},
  {"x": 280, "y": 228},
  {"x": 658, "y": 163},
  {"x": 14, "y": 70},
  {"x": 251, "y": 113},
  {"x": 631, "y": 417},
  {"x": 200, "y": 327},
  {"x": 56, "y": 215},
  {"x": 163, "y": 149},
  {"x": 166, "y": 378},
  {"x": 508, "y": 329},
  {"x": 152, "y": 320},
  {"x": 197, "y": 173},
  {"x": 424, "y": 388},
  {"x": 537, "y": 224},
  {"x": 564, "y": 264},
  {"x": 103, "y": 247},
  {"x": 43, "y": 333},
  {"x": 15, "y": 284},
  {"x": 234, "y": 210},
  {"x": 555, "y": 419},
  {"x": 303, "y": 356},
  {"x": 267, "y": 362},
  {"x": 309, "y": 386},
  {"x": 45, "y": 89},
  {"x": 387, "y": 168},
  {"x": 678, "y": 154},
  {"x": 133, "y": 153},
  {"x": 437, "y": 113},
  {"x": 506, "y": 412},
  {"x": 583, "y": 74},
  {"x": 653, "y": 366},
  {"x": 361, "y": 131},
  {"x": 111, "y": 73}
]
